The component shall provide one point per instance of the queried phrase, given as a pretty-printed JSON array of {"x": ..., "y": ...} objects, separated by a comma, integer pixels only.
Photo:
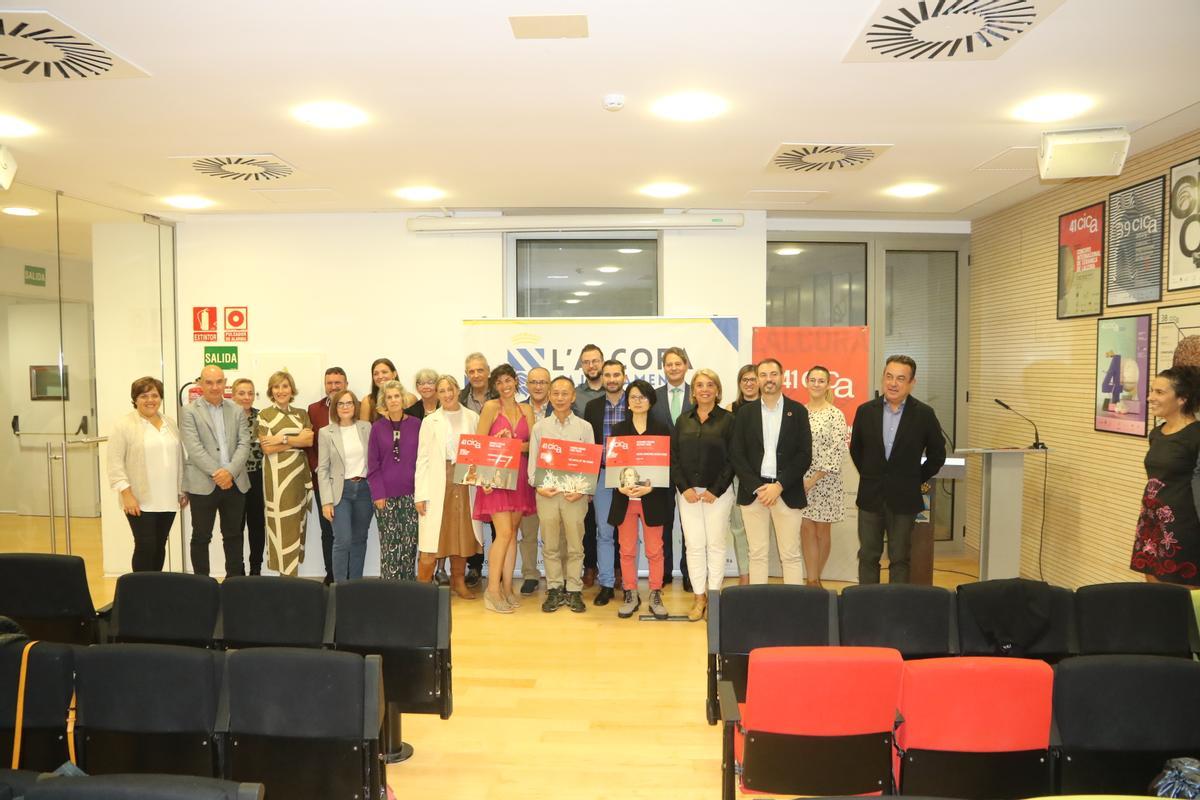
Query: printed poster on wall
[
  {"x": 1183, "y": 248},
  {"x": 570, "y": 467},
  {"x": 1080, "y": 262},
  {"x": 844, "y": 351},
  {"x": 1175, "y": 323},
  {"x": 492, "y": 461},
  {"x": 637, "y": 461},
  {"x": 1122, "y": 374},
  {"x": 1135, "y": 243}
]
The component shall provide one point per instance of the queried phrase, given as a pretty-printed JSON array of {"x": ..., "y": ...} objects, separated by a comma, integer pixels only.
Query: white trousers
[
  {"x": 705, "y": 526},
  {"x": 758, "y": 519}
]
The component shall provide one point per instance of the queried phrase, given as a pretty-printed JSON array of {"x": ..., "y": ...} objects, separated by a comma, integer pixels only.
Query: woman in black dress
[{"x": 1167, "y": 546}]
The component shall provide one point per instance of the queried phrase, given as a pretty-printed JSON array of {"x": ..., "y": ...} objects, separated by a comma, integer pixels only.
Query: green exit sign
[
  {"x": 223, "y": 357},
  {"x": 35, "y": 276}
]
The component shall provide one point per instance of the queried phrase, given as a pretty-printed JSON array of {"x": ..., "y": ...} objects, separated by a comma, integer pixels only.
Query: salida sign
[{"x": 845, "y": 352}]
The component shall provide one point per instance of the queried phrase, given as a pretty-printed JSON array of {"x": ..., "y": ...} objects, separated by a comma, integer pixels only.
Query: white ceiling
[{"x": 457, "y": 102}]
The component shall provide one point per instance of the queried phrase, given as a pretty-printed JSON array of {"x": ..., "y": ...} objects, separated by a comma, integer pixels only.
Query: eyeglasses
[
  {"x": 749, "y": 379},
  {"x": 537, "y": 383},
  {"x": 426, "y": 383},
  {"x": 637, "y": 398},
  {"x": 345, "y": 404}
]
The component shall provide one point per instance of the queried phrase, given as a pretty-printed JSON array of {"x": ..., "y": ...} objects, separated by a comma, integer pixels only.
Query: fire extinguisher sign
[
  {"x": 237, "y": 324},
  {"x": 204, "y": 323}
]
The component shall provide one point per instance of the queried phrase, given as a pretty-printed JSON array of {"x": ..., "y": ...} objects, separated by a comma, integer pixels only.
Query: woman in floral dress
[{"x": 823, "y": 481}]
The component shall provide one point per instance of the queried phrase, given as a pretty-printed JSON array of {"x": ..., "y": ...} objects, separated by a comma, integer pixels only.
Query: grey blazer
[
  {"x": 204, "y": 453},
  {"x": 331, "y": 461}
]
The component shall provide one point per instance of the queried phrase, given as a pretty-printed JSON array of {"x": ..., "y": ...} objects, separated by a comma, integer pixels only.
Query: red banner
[
  {"x": 643, "y": 460},
  {"x": 568, "y": 466},
  {"x": 845, "y": 352},
  {"x": 488, "y": 461}
]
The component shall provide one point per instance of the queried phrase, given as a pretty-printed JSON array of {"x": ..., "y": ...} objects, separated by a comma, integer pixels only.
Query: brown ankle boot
[
  {"x": 458, "y": 578},
  {"x": 426, "y": 564},
  {"x": 698, "y": 608}
]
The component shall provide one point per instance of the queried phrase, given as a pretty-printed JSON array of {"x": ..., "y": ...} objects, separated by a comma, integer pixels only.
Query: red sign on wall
[
  {"x": 237, "y": 323},
  {"x": 845, "y": 352},
  {"x": 204, "y": 323}
]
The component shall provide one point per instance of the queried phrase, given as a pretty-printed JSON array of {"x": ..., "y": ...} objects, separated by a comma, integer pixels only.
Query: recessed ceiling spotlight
[
  {"x": 911, "y": 190},
  {"x": 1053, "y": 107},
  {"x": 593, "y": 283},
  {"x": 12, "y": 127},
  {"x": 572, "y": 301},
  {"x": 557, "y": 277},
  {"x": 665, "y": 189},
  {"x": 789, "y": 251},
  {"x": 629, "y": 250},
  {"x": 608, "y": 270},
  {"x": 188, "y": 202},
  {"x": 330, "y": 114},
  {"x": 21, "y": 211},
  {"x": 689, "y": 106},
  {"x": 582, "y": 294},
  {"x": 420, "y": 194}
]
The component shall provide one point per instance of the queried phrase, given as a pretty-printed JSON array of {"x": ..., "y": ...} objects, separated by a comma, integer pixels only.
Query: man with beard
[
  {"x": 537, "y": 386},
  {"x": 591, "y": 359},
  {"x": 604, "y": 413}
]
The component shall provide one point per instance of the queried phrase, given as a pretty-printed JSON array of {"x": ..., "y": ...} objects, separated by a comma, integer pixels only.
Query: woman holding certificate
[
  {"x": 636, "y": 500},
  {"x": 505, "y": 417}
]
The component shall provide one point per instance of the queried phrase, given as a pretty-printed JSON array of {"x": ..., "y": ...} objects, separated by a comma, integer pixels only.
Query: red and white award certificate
[
  {"x": 637, "y": 461},
  {"x": 492, "y": 461},
  {"x": 570, "y": 467}
]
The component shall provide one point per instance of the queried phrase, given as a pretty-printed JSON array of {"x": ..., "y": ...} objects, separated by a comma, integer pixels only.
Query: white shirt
[
  {"x": 772, "y": 418},
  {"x": 356, "y": 457},
  {"x": 162, "y": 468},
  {"x": 455, "y": 418}
]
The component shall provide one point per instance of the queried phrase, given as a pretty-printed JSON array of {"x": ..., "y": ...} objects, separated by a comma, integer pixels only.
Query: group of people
[{"x": 762, "y": 463}]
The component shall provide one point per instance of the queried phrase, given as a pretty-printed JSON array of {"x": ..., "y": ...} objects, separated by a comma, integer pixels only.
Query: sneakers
[
  {"x": 574, "y": 601},
  {"x": 603, "y": 596},
  {"x": 656, "y": 605},
  {"x": 632, "y": 603},
  {"x": 529, "y": 587},
  {"x": 553, "y": 600}
]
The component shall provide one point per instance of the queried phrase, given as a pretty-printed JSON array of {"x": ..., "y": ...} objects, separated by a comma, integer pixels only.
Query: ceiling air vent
[
  {"x": 36, "y": 46},
  {"x": 824, "y": 157},
  {"x": 947, "y": 30},
  {"x": 259, "y": 168}
]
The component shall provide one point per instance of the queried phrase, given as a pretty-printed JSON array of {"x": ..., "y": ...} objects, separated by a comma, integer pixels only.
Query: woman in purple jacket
[{"x": 391, "y": 471}]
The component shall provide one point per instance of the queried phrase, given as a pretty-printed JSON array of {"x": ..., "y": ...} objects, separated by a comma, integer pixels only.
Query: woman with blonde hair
[
  {"x": 283, "y": 432},
  {"x": 391, "y": 467},
  {"x": 823, "y": 481}
]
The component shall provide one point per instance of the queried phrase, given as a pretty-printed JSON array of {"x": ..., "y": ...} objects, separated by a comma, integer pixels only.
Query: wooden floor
[{"x": 582, "y": 705}]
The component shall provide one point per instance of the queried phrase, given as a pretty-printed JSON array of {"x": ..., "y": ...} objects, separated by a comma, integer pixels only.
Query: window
[
  {"x": 587, "y": 277},
  {"x": 816, "y": 283}
]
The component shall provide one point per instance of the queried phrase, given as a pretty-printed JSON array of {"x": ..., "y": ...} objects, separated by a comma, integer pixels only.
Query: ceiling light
[
  {"x": 911, "y": 190},
  {"x": 11, "y": 127},
  {"x": 582, "y": 294},
  {"x": 329, "y": 114},
  {"x": 420, "y": 194},
  {"x": 593, "y": 283},
  {"x": 188, "y": 202},
  {"x": 609, "y": 269},
  {"x": 789, "y": 251},
  {"x": 21, "y": 211},
  {"x": 665, "y": 189},
  {"x": 1053, "y": 107},
  {"x": 572, "y": 301},
  {"x": 689, "y": 106},
  {"x": 629, "y": 250},
  {"x": 557, "y": 277}
]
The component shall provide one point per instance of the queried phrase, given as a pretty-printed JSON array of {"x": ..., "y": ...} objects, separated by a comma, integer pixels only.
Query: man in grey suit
[
  {"x": 217, "y": 439},
  {"x": 674, "y": 399}
]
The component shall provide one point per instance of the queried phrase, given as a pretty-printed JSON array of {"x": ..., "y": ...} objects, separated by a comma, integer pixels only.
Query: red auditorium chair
[
  {"x": 816, "y": 721},
  {"x": 976, "y": 728}
]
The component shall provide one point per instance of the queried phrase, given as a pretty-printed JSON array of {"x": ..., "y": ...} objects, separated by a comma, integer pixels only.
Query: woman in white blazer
[
  {"x": 145, "y": 468},
  {"x": 342, "y": 478},
  {"x": 445, "y": 526}
]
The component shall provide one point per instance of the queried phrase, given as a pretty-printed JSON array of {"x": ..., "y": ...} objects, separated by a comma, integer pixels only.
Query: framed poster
[
  {"x": 1175, "y": 323},
  {"x": 1122, "y": 374},
  {"x": 1183, "y": 260},
  {"x": 1081, "y": 262},
  {"x": 1135, "y": 243}
]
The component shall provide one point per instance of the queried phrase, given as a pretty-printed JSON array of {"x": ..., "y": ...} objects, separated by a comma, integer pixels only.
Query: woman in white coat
[{"x": 445, "y": 526}]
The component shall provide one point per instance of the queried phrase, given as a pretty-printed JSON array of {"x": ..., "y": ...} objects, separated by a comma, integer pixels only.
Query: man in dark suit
[
  {"x": 890, "y": 435},
  {"x": 674, "y": 399},
  {"x": 602, "y": 413},
  {"x": 318, "y": 414},
  {"x": 772, "y": 449}
]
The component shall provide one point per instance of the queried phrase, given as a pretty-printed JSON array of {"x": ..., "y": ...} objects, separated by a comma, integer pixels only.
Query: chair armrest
[
  {"x": 105, "y": 612},
  {"x": 728, "y": 700},
  {"x": 374, "y": 707},
  {"x": 714, "y": 622},
  {"x": 443, "y": 618},
  {"x": 250, "y": 791},
  {"x": 330, "y": 616},
  {"x": 834, "y": 628}
]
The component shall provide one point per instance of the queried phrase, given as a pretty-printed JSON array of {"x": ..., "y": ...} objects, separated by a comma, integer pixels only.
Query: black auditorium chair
[
  {"x": 48, "y": 687},
  {"x": 272, "y": 611},
  {"x": 15, "y": 782},
  {"x": 304, "y": 723},
  {"x": 1153, "y": 619},
  {"x": 1120, "y": 718},
  {"x": 48, "y": 596},
  {"x": 164, "y": 608},
  {"x": 408, "y": 624},
  {"x": 919, "y": 621},
  {"x": 1016, "y": 617},
  {"x": 741, "y": 618},
  {"x": 147, "y": 708},
  {"x": 143, "y": 787}
]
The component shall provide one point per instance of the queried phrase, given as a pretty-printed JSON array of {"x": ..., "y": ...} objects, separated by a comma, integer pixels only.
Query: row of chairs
[
  {"x": 304, "y": 723},
  {"x": 858, "y": 720},
  {"x": 47, "y": 786},
  {"x": 1012, "y": 617}
]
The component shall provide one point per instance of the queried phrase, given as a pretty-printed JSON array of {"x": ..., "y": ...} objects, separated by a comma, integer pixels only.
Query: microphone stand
[{"x": 1038, "y": 444}]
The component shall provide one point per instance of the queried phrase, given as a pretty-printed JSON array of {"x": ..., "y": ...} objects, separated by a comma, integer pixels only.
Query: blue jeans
[
  {"x": 351, "y": 521},
  {"x": 605, "y": 554}
]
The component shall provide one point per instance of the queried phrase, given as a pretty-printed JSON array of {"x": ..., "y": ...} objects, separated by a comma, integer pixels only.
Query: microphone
[{"x": 1038, "y": 444}]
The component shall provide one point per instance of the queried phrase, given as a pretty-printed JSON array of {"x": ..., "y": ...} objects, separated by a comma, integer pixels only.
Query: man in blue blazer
[
  {"x": 890, "y": 435},
  {"x": 674, "y": 400}
]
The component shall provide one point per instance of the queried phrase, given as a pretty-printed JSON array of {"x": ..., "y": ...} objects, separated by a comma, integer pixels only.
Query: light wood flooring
[{"x": 585, "y": 706}]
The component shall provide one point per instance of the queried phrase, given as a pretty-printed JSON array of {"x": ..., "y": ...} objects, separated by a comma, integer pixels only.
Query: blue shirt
[
  {"x": 891, "y": 424},
  {"x": 217, "y": 415}
]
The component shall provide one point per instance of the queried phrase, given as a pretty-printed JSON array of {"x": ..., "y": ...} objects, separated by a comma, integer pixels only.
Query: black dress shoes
[{"x": 604, "y": 596}]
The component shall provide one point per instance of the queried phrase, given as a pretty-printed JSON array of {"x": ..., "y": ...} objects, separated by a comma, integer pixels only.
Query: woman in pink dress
[{"x": 504, "y": 508}]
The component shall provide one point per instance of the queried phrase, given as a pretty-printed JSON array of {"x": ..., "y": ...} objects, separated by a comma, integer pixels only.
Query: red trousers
[{"x": 652, "y": 537}]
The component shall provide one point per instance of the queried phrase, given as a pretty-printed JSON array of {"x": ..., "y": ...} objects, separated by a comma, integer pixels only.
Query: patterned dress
[
  {"x": 1167, "y": 544},
  {"x": 829, "y": 449},
  {"x": 287, "y": 489}
]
